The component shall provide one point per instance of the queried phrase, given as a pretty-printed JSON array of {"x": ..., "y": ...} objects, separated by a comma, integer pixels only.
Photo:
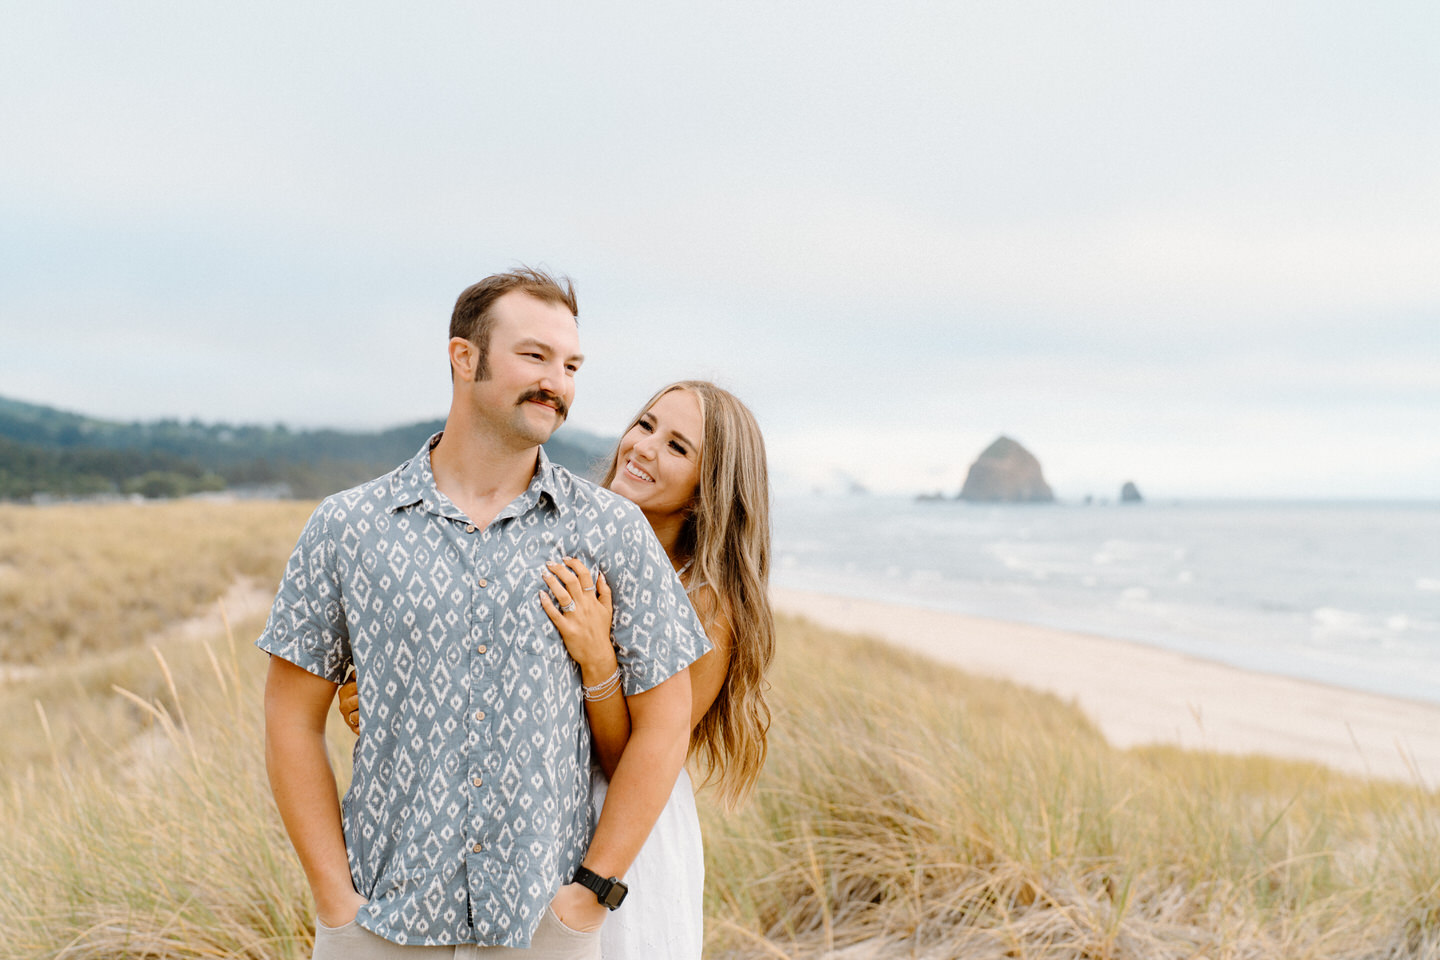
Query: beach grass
[
  {"x": 86, "y": 578},
  {"x": 944, "y": 815},
  {"x": 906, "y": 809}
]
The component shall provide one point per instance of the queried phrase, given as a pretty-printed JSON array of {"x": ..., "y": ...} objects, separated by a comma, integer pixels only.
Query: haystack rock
[
  {"x": 1006, "y": 472},
  {"x": 1130, "y": 493}
]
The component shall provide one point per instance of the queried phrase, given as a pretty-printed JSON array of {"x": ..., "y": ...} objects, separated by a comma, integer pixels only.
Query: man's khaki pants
[{"x": 553, "y": 941}]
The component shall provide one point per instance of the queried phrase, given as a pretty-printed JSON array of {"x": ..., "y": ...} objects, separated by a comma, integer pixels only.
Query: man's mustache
[{"x": 545, "y": 396}]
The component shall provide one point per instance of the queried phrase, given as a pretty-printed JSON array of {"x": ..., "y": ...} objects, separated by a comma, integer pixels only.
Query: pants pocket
[
  {"x": 554, "y": 918},
  {"x": 335, "y": 943},
  {"x": 322, "y": 928},
  {"x": 555, "y": 941}
]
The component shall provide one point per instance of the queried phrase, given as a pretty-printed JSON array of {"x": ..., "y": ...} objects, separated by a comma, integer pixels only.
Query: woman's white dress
[{"x": 662, "y": 917}]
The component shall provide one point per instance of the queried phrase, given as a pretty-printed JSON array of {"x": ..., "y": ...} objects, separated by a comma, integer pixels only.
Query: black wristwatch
[{"x": 611, "y": 893}]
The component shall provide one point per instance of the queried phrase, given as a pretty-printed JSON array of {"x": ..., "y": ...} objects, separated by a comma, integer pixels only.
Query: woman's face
[{"x": 658, "y": 464}]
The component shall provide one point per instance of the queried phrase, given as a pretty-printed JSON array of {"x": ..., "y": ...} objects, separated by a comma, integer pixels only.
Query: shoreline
[{"x": 1137, "y": 694}]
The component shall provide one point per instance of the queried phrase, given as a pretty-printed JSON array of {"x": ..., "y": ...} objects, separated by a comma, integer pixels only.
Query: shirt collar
[
  {"x": 545, "y": 483},
  {"x": 414, "y": 482}
]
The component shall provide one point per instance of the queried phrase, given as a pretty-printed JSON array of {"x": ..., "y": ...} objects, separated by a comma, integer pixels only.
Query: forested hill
[{"x": 53, "y": 452}]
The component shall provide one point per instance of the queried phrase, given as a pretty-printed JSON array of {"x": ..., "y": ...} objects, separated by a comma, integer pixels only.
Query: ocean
[{"x": 1342, "y": 593}]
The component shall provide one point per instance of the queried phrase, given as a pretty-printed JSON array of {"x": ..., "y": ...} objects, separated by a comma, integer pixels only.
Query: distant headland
[{"x": 46, "y": 452}]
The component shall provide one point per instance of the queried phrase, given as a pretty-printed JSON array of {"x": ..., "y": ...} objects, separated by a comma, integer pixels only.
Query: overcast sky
[{"x": 1192, "y": 245}]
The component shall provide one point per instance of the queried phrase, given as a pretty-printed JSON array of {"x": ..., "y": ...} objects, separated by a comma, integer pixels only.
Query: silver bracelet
[{"x": 604, "y": 688}]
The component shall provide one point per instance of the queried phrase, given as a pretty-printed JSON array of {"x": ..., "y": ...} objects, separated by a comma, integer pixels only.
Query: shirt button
[
  {"x": 469, "y": 528},
  {"x": 477, "y": 781},
  {"x": 480, "y": 715},
  {"x": 477, "y": 848},
  {"x": 482, "y": 648},
  {"x": 484, "y": 582}
]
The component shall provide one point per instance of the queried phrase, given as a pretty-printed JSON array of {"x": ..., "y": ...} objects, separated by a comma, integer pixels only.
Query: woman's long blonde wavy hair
[{"x": 726, "y": 538}]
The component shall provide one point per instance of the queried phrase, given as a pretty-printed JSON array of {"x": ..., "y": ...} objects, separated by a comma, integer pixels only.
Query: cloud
[{"x": 1130, "y": 229}]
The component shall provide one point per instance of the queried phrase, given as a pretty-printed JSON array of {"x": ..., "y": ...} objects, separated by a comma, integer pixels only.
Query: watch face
[{"x": 616, "y": 895}]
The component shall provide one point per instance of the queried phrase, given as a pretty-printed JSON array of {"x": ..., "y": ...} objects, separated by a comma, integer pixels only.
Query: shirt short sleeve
[
  {"x": 655, "y": 630},
  {"x": 307, "y": 621}
]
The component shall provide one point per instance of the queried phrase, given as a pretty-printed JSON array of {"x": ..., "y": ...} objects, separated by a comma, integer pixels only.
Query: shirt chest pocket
[
  {"x": 542, "y": 640},
  {"x": 542, "y": 663},
  {"x": 537, "y": 636}
]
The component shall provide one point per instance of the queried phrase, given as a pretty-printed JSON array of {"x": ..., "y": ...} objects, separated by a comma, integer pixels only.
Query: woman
[{"x": 693, "y": 460}]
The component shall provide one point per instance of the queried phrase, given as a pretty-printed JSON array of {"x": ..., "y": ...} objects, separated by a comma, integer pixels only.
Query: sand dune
[{"x": 1138, "y": 694}]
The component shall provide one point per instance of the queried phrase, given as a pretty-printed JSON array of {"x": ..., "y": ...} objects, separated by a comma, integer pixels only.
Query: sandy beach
[{"x": 1138, "y": 694}]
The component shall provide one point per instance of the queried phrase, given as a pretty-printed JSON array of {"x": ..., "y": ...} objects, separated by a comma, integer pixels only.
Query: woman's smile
[{"x": 637, "y": 473}]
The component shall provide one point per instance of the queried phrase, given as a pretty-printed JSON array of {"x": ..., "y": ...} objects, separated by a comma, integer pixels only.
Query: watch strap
[{"x": 610, "y": 891}]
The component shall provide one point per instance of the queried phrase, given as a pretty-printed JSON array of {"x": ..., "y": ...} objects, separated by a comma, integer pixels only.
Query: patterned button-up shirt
[{"x": 469, "y": 803}]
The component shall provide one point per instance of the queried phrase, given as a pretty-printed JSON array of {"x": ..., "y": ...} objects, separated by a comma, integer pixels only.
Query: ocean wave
[{"x": 1344, "y": 595}]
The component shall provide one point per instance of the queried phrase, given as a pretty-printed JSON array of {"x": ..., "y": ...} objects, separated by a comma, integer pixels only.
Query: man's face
[{"x": 533, "y": 356}]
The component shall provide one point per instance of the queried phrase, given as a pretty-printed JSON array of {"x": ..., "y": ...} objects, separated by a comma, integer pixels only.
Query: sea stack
[
  {"x": 1006, "y": 473},
  {"x": 1130, "y": 493}
]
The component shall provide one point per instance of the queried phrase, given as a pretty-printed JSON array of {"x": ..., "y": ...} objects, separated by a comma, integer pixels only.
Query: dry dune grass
[
  {"x": 907, "y": 810},
  {"x": 77, "y": 579},
  {"x": 941, "y": 815},
  {"x": 151, "y": 832}
]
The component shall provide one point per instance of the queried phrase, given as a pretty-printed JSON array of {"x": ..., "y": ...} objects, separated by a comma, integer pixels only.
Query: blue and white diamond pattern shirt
[{"x": 469, "y": 804}]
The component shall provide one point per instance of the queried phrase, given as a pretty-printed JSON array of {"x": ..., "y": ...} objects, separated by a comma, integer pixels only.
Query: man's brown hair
[{"x": 472, "y": 319}]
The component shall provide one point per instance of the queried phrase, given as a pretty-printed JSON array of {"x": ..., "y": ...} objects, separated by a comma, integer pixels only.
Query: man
[{"x": 468, "y": 814}]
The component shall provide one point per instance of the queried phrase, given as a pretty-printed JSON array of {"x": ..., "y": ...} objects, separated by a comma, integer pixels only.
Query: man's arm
[
  {"x": 644, "y": 778},
  {"x": 296, "y": 703}
]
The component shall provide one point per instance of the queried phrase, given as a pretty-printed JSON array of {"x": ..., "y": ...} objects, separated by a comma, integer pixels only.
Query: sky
[{"x": 1192, "y": 245}]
